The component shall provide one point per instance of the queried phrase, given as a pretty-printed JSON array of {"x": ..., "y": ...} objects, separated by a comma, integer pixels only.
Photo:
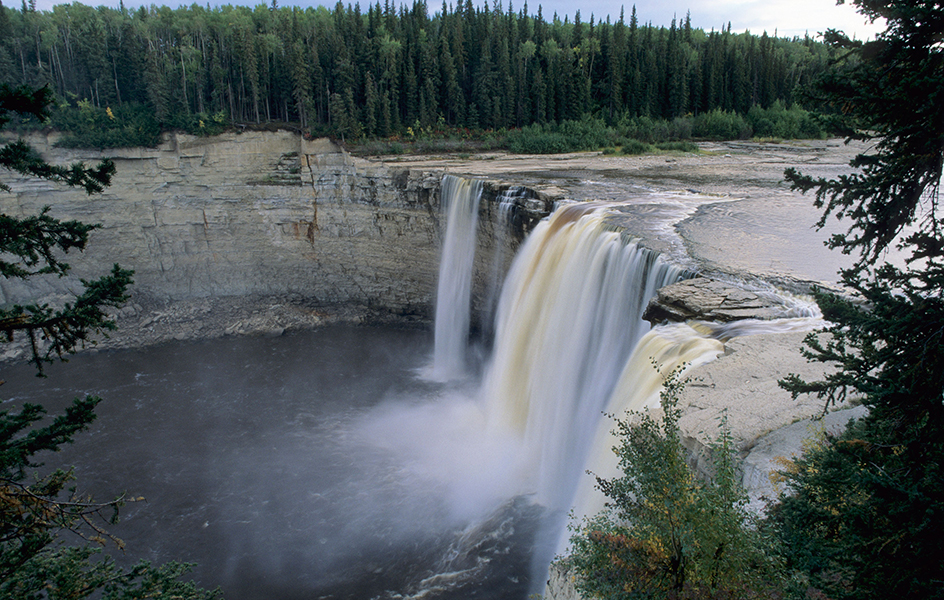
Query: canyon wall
[{"x": 265, "y": 214}]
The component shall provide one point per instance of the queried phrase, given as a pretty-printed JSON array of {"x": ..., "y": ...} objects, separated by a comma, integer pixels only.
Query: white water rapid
[
  {"x": 460, "y": 204},
  {"x": 669, "y": 347}
]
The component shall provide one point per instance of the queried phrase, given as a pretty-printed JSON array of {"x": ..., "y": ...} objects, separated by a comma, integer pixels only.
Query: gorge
[{"x": 270, "y": 233}]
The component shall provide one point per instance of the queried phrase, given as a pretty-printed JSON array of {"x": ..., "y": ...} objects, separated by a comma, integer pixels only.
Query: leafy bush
[
  {"x": 719, "y": 124},
  {"x": 777, "y": 121},
  {"x": 128, "y": 125},
  {"x": 635, "y": 147},
  {"x": 201, "y": 124},
  {"x": 534, "y": 139},
  {"x": 651, "y": 130},
  {"x": 666, "y": 534},
  {"x": 570, "y": 136}
]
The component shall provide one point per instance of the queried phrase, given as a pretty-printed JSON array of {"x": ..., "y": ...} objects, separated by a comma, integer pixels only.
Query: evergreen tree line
[{"x": 348, "y": 73}]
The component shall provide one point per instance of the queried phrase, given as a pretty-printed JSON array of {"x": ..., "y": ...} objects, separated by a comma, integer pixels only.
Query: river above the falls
[
  {"x": 259, "y": 461},
  {"x": 724, "y": 211}
]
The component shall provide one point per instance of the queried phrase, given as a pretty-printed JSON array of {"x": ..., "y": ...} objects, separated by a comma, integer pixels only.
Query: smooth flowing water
[{"x": 460, "y": 202}]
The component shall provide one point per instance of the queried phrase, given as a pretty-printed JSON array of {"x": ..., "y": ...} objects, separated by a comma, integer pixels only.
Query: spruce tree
[
  {"x": 864, "y": 519},
  {"x": 36, "y": 508}
]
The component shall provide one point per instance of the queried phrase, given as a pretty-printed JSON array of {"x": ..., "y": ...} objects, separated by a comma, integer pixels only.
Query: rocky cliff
[{"x": 262, "y": 214}]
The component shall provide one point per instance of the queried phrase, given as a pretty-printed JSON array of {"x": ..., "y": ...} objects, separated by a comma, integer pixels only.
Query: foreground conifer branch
[{"x": 38, "y": 505}]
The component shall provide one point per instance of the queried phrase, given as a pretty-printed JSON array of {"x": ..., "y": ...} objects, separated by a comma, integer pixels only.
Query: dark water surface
[{"x": 248, "y": 452}]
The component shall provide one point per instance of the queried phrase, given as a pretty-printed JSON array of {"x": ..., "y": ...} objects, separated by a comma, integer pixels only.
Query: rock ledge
[{"x": 709, "y": 300}]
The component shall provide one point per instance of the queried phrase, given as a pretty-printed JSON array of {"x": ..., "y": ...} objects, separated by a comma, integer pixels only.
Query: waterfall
[
  {"x": 567, "y": 322},
  {"x": 669, "y": 347},
  {"x": 502, "y": 251},
  {"x": 568, "y": 319},
  {"x": 569, "y": 345},
  {"x": 460, "y": 206}
]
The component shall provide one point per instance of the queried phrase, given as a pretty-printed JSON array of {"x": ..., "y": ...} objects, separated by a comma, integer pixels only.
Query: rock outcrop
[
  {"x": 710, "y": 300},
  {"x": 263, "y": 214}
]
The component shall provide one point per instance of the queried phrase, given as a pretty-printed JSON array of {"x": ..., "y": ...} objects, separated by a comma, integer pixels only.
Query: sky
[{"x": 787, "y": 18}]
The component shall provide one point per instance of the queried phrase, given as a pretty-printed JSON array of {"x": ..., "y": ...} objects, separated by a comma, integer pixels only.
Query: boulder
[{"x": 710, "y": 300}]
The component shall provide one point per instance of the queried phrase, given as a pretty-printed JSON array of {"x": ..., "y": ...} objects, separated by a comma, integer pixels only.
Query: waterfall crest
[
  {"x": 460, "y": 204},
  {"x": 568, "y": 319}
]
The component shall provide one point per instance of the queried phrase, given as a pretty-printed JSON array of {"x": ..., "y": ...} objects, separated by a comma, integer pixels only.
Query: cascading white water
[
  {"x": 568, "y": 319},
  {"x": 460, "y": 206},
  {"x": 658, "y": 353},
  {"x": 569, "y": 344},
  {"x": 502, "y": 460}
]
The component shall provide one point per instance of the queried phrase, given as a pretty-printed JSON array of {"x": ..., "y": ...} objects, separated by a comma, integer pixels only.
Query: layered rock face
[{"x": 257, "y": 214}]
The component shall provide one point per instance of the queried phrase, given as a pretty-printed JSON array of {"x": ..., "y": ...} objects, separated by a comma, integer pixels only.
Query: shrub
[
  {"x": 87, "y": 126},
  {"x": 534, "y": 139},
  {"x": 653, "y": 131},
  {"x": 570, "y": 136},
  {"x": 201, "y": 124},
  {"x": 666, "y": 534},
  {"x": 635, "y": 147},
  {"x": 719, "y": 124},
  {"x": 786, "y": 123}
]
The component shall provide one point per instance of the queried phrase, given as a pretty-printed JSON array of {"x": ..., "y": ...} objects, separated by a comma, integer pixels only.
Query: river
[{"x": 256, "y": 459}]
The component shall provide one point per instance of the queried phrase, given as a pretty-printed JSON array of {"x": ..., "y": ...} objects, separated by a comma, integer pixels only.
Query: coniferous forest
[{"x": 393, "y": 70}]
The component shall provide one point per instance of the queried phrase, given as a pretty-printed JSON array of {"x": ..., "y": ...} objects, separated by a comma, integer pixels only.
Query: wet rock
[
  {"x": 709, "y": 300},
  {"x": 562, "y": 580}
]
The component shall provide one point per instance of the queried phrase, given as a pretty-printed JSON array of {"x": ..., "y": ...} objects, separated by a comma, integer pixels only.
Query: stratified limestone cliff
[{"x": 254, "y": 214}]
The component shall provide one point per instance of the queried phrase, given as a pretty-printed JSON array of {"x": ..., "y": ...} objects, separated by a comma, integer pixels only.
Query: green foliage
[
  {"x": 538, "y": 139},
  {"x": 568, "y": 136},
  {"x": 860, "y": 519},
  {"x": 647, "y": 129},
  {"x": 864, "y": 520},
  {"x": 201, "y": 123},
  {"x": 777, "y": 121},
  {"x": 36, "y": 509},
  {"x": 89, "y": 126},
  {"x": 634, "y": 147},
  {"x": 718, "y": 124},
  {"x": 481, "y": 67},
  {"x": 76, "y": 573},
  {"x": 128, "y": 125},
  {"x": 665, "y": 533}
]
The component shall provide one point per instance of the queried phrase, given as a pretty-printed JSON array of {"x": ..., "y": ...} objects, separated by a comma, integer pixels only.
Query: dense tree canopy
[{"x": 378, "y": 72}]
